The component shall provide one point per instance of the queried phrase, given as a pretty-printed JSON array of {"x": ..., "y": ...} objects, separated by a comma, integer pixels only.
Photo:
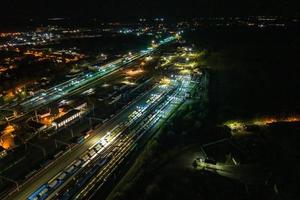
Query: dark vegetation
[{"x": 252, "y": 73}]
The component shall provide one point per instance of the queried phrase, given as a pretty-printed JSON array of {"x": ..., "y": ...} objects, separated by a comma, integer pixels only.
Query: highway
[{"x": 126, "y": 117}]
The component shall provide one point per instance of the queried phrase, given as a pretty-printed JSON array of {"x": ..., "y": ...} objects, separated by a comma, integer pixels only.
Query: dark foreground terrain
[{"x": 253, "y": 73}]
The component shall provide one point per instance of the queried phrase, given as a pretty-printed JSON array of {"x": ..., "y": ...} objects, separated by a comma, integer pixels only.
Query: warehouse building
[{"x": 67, "y": 118}]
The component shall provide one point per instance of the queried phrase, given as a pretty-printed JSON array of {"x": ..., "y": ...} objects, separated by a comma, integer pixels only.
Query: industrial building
[{"x": 65, "y": 119}]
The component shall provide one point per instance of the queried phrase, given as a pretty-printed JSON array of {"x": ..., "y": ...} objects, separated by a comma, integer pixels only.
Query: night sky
[{"x": 132, "y": 9}]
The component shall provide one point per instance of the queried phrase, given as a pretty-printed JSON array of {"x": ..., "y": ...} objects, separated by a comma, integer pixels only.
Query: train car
[
  {"x": 85, "y": 157},
  {"x": 53, "y": 184},
  {"x": 79, "y": 139},
  {"x": 97, "y": 147},
  {"x": 77, "y": 163},
  {"x": 92, "y": 152},
  {"x": 70, "y": 169},
  {"x": 62, "y": 176},
  {"x": 35, "y": 195},
  {"x": 43, "y": 193}
]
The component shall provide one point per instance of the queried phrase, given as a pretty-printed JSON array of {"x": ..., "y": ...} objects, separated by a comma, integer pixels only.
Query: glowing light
[
  {"x": 165, "y": 81},
  {"x": 148, "y": 58},
  {"x": 235, "y": 125},
  {"x": 7, "y": 138},
  {"x": 185, "y": 71},
  {"x": 105, "y": 85},
  {"x": 126, "y": 82},
  {"x": 133, "y": 72}
]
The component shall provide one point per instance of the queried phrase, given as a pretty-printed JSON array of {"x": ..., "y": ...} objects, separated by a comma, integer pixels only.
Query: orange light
[
  {"x": 134, "y": 72},
  {"x": 293, "y": 119},
  {"x": 8, "y": 130},
  {"x": 3, "y": 69},
  {"x": 7, "y": 138}
]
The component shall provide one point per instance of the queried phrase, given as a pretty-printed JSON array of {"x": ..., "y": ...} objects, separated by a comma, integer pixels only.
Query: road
[{"x": 247, "y": 173}]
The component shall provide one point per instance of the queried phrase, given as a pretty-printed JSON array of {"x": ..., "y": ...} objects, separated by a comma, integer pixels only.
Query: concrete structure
[
  {"x": 80, "y": 105},
  {"x": 68, "y": 117}
]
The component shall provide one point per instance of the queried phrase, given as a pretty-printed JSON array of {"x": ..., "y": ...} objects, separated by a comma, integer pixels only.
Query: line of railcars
[{"x": 46, "y": 189}]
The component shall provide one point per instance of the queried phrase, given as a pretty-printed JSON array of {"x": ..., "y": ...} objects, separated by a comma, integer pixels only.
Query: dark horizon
[{"x": 133, "y": 9}]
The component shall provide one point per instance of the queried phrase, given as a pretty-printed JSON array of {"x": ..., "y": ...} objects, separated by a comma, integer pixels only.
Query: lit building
[
  {"x": 3, "y": 152},
  {"x": 44, "y": 113},
  {"x": 67, "y": 118}
]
